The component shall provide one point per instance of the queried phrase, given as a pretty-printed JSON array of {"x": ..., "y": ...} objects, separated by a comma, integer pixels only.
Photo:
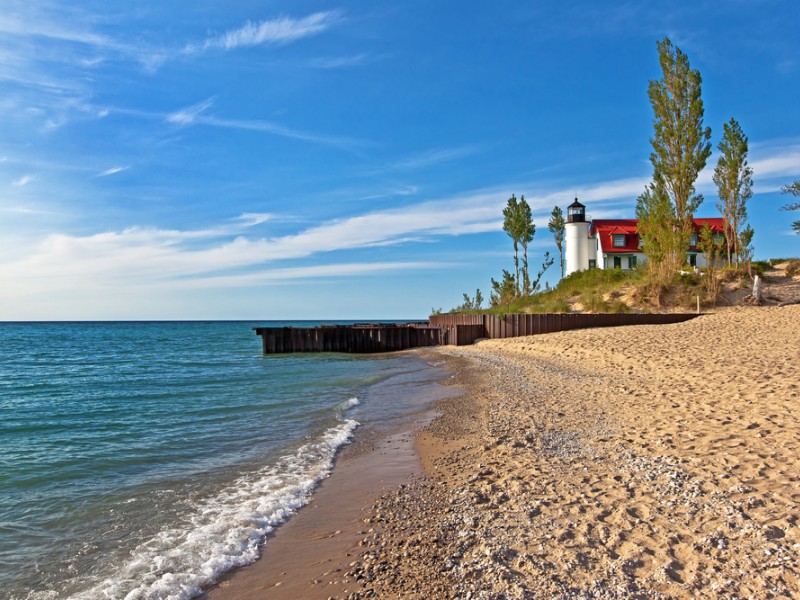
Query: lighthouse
[{"x": 576, "y": 238}]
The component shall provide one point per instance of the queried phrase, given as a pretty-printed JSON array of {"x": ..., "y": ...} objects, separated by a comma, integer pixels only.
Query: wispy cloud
[
  {"x": 113, "y": 171},
  {"x": 251, "y": 219},
  {"x": 785, "y": 163},
  {"x": 153, "y": 254},
  {"x": 188, "y": 115},
  {"x": 283, "y": 131},
  {"x": 197, "y": 114},
  {"x": 162, "y": 254},
  {"x": 242, "y": 250},
  {"x": 349, "y": 269},
  {"x": 338, "y": 62},
  {"x": 23, "y": 181},
  {"x": 406, "y": 190},
  {"x": 768, "y": 161},
  {"x": 35, "y": 23},
  {"x": 281, "y": 30},
  {"x": 429, "y": 158}
]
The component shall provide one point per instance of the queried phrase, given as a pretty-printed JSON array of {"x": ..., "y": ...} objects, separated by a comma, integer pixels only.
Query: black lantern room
[{"x": 576, "y": 212}]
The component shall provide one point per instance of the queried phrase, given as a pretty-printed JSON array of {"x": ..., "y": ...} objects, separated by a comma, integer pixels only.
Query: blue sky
[{"x": 316, "y": 159}]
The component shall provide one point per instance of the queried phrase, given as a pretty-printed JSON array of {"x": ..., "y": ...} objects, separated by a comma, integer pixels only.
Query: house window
[
  {"x": 693, "y": 240},
  {"x": 619, "y": 240},
  {"x": 639, "y": 238},
  {"x": 719, "y": 238},
  {"x": 592, "y": 263},
  {"x": 632, "y": 262},
  {"x": 617, "y": 262},
  {"x": 693, "y": 260}
]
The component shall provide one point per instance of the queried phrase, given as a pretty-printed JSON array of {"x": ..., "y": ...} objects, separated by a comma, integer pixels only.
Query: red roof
[{"x": 606, "y": 229}]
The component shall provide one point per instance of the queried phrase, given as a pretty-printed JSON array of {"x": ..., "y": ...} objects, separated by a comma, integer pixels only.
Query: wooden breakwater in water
[
  {"x": 450, "y": 329},
  {"x": 359, "y": 338}
]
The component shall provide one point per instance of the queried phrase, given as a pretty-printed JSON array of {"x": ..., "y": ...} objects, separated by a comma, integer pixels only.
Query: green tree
[
  {"x": 794, "y": 190},
  {"x": 745, "y": 246},
  {"x": 556, "y": 227},
  {"x": 518, "y": 224},
  {"x": 680, "y": 143},
  {"x": 713, "y": 248},
  {"x": 547, "y": 262},
  {"x": 503, "y": 292},
  {"x": 511, "y": 225},
  {"x": 470, "y": 303},
  {"x": 527, "y": 230},
  {"x": 657, "y": 226},
  {"x": 734, "y": 179}
]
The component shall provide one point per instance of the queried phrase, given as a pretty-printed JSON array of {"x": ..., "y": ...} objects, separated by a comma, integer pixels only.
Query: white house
[{"x": 615, "y": 243}]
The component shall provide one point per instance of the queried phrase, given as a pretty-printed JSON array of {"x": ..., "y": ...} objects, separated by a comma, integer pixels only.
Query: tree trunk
[{"x": 757, "y": 297}]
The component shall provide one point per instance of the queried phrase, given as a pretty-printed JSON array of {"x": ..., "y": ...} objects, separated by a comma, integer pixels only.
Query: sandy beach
[
  {"x": 640, "y": 461},
  {"x": 646, "y": 461}
]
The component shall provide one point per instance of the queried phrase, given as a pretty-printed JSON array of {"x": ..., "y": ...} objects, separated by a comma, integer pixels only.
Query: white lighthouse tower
[{"x": 576, "y": 238}]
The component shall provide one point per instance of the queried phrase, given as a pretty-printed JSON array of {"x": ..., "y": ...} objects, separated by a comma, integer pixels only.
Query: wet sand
[{"x": 308, "y": 556}]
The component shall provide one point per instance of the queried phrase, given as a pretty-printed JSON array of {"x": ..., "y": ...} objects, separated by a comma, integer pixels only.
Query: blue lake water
[{"x": 141, "y": 460}]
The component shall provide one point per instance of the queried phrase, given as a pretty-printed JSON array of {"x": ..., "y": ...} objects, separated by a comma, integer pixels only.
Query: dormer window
[
  {"x": 693, "y": 240},
  {"x": 618, "y": 240}
]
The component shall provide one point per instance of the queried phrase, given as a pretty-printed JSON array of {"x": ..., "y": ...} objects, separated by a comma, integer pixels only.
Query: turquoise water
[{"x": 141, "y": 460}]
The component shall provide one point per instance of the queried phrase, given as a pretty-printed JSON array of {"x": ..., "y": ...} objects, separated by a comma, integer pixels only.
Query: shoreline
[{"x": 309, "y": 555}]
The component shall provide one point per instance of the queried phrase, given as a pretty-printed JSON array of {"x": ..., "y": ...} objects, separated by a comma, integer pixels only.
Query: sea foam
[
  {"x": 350, "y": 403},
  {"x": 224, "y": 531}
]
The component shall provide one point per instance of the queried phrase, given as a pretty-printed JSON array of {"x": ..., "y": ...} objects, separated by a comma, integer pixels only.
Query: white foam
[
  {"x": 350, "y": 403},
  {"x": 224, "y": 531}
]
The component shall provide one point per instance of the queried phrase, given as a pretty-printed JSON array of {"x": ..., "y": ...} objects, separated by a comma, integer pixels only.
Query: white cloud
[
  {"x": 282, "y": 30},
  {"x": 784, "y": 164},
  {"x": 340, "y": 62},
  {"x": 23, "y": 181},
  {"x": 137, "y": 254},
  {"x": 112, "y": 171},
  {"x": 437, "y": 156},
  {"x": 250, "y": 219},
  {"x": 240, "y": 251},
  {"x": 768, "y": 161},
  {"x": 195, "y": 115},
  {"x": 188, "y": 115},
  {"x": 266, "y": 277}
]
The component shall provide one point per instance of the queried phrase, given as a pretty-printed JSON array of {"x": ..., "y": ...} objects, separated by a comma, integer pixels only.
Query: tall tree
[
  {"x": 657, "y": 226},
  {"x": 680, "y": 143},
  {"x": 556, "y": 227},
  {"x": 512, "y": 228},
  {"x": 527, "y": 230},
  {"x": 518, "y": 224},
  {"x": 794, "y": 190},
  {"x": 734, "y": 179}
]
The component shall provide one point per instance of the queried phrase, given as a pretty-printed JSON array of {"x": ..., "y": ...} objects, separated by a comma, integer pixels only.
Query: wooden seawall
[
  {"x": 462, "y": 330},
  {"x": 348, "y": 338},
  {"x": 455, "y": 330}
]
